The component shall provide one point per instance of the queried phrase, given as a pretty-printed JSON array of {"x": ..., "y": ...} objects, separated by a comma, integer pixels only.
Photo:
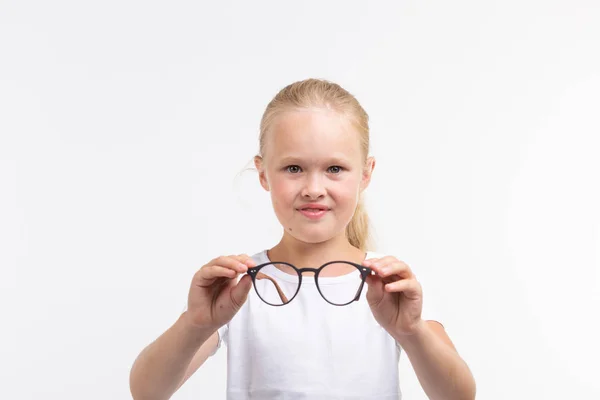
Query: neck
[{"x": 312, "y": 255}]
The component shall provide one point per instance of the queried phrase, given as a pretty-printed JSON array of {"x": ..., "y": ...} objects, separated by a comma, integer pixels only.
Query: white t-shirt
[{"x": 310, "y": 349}]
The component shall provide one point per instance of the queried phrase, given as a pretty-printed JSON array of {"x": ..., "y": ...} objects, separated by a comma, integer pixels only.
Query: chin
[{"x": 315, "y": 236}]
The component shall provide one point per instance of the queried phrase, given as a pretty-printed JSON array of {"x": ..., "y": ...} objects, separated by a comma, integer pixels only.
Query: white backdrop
[{"x": 124, "y": 123}]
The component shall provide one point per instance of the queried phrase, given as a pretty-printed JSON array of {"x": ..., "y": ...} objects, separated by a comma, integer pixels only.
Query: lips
[
  {"x": 314, "y": 211},
  {"x": 314, "y": 207}
]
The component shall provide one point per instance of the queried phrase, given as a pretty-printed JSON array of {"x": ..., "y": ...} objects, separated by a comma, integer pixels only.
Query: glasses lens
[
  {"x": 339, "y": 283},
  {"x": 276, "y": 284}
]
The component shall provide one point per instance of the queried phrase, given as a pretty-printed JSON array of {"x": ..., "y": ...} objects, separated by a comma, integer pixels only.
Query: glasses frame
[{"x": 254, "y": 272}]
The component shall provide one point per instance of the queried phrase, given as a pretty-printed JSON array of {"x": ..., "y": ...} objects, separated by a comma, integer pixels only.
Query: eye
[
  {"x": 293, "y": 169},
  {"x": 336, "y": 169}
]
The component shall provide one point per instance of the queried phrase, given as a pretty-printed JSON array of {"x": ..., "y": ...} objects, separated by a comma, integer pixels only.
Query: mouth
[
  {"x": 313, "y": 207},
  {"x": 313, "y": 213}
]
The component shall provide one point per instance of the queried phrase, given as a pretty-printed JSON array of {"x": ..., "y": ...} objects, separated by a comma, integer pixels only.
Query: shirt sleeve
[
  {"x": 430, "y": 310},
  {"x": 223, "y": 334}
]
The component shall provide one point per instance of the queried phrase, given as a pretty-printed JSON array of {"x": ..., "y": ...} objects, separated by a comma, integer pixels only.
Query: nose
[{"x": 313, "y": 188}]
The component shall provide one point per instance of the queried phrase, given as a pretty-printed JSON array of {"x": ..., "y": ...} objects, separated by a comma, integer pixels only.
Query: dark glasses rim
[{"x": 364, "y": 272}]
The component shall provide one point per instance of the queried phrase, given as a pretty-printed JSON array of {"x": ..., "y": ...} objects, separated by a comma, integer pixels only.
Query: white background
[{"x": 123, "y": 126}]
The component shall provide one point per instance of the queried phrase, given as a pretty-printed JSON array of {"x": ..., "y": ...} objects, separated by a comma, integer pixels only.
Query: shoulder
[
  {"x": 378, "y": 254},
  {"x": 374, "y": 254},
  {"x": 260, "y": 256}
]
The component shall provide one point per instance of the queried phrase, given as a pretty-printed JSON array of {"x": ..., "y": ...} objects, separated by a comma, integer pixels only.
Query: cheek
[
  {"x": 348, "y": 191},
  {"x": 282, "y": 193}
]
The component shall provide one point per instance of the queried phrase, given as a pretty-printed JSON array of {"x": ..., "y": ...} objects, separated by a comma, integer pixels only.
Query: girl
[{"x": 305, "y": 331}]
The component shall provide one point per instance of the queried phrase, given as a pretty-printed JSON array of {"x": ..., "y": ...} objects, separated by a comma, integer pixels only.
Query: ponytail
[{"x": 357, "y": 230}]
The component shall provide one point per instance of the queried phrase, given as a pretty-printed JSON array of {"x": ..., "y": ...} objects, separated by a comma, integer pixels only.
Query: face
[{"x": 313, "y": 159}]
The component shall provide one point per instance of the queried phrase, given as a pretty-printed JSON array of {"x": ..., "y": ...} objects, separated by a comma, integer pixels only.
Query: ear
[
  {"x": 367, "y": 172},
  {"x": 262, "y": 175}
]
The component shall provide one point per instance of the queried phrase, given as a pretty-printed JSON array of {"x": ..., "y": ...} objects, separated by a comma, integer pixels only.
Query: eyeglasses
[{"x": 277, "y": 287}]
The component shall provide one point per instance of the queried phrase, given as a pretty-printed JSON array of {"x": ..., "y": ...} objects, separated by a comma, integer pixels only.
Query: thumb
[
  {"x": 375, "y": 291},
  {"x": 239, "y": 293}
]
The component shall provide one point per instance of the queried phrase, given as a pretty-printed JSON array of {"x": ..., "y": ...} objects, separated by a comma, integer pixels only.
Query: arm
[
  {"x": 441, "y": 371},
  {"x": 164, "y": 365}
]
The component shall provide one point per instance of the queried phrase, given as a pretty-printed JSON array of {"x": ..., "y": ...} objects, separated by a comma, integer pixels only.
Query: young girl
[{"x": 294, "y": 336}]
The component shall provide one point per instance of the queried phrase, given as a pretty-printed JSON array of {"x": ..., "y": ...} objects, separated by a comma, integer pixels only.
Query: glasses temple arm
[
  {"x": 260, "y": 275},
  {"x": 362, "y": 284}
]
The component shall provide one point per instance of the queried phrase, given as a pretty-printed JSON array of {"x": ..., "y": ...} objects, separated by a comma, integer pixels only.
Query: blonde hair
[{"x": 314, "y": 93}]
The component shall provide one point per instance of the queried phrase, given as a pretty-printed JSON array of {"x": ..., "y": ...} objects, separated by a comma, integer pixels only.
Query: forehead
[{"x": 313, "y": 133}]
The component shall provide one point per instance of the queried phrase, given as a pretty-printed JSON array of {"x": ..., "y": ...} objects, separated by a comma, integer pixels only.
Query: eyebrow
[{"x": 330, "y": 160}]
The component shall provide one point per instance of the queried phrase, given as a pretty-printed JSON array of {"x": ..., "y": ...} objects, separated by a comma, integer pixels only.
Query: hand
[
  {"x": 394, "y": 295},
  {"x": 215, "y": 294}
]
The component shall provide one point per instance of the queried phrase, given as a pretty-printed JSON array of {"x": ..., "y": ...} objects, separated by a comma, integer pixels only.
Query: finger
[
  {"x": 395, "y": 268},
  {"x": 246, "y": 259},
  {"x": 239, "y": 293},
  {"x": 391, "y": 266},
  {"x": 230, "y": 262},
  {"x": 410, "y": 287},
  {"x": 376, "y": 263},
  {"x": 216, "y": 271},
  {"x": 375, "y": 290},
  {"x": 370, "y": 261},
  {"x": 382, "y": 260}
]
